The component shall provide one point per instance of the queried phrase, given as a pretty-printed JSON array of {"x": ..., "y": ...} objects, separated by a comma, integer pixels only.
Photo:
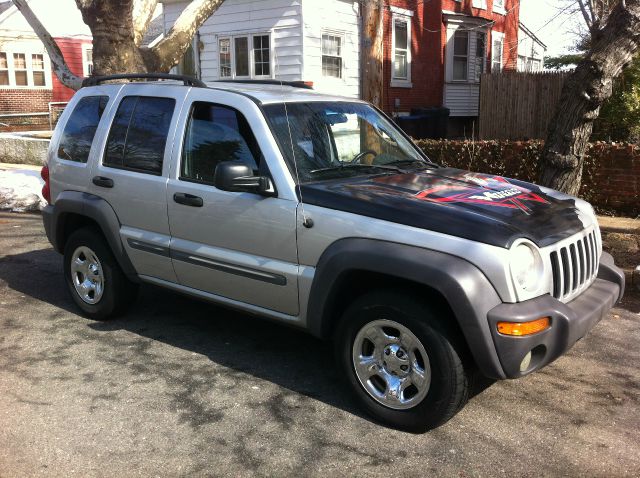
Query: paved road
[{"x": 179, "y": 387}]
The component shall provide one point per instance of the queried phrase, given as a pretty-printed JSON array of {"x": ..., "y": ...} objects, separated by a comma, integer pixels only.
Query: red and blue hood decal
[{"x": 480, "y": 207}]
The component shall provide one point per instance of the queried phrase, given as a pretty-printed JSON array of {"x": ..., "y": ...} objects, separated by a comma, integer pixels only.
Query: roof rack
[
  {"x": 294, "y": 84},
  {"x": 187, "y": 80}
]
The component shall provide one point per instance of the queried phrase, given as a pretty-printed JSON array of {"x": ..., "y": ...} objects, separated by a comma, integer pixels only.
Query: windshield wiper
[
  {"x": 426, "y": 164},
  {"x": 358, "y": 166}
]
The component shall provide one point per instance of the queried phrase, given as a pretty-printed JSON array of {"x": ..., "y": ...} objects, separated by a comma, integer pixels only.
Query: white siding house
[
  {"x": 308, "y": 40},
  {"x": 466, "y": 59},
  {"x": 530, "y": 50}
]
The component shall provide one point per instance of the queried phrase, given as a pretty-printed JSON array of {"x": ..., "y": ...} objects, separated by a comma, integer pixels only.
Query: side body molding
[
  {"x": 467, "y": 291},
  {"x": 93, "y": 207}
]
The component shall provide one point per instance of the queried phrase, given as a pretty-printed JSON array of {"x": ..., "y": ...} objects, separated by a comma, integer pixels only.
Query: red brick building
[{"x": 435, "y": 52}]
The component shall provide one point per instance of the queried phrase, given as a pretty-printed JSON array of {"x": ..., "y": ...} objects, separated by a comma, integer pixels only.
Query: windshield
[{"x": 328, "y": 140}]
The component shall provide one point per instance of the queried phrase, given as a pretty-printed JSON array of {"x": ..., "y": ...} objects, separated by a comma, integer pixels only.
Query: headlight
[{"x": 526, "y": 266}]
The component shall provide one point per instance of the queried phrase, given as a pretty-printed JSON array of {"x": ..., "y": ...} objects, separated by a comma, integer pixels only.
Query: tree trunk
[
  {"x": 612, "y": 50},
  {"x": 372, "y": 42},
  {"x": 114, "y": 47},
  {"x": 117, "y": 34}
]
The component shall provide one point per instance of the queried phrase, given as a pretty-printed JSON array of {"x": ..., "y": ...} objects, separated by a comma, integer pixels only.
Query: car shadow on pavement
[{"x": 238, "y": 346}]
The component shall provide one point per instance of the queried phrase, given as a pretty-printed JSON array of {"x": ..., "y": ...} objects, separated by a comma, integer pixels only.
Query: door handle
[
  {"x": 188, "y": 199},
  {"x": 103, "y": 182}
]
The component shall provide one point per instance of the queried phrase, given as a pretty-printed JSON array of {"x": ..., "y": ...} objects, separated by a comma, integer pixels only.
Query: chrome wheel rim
[
  {"x": 391, "y": 364},
  {"x": 87, "y": 275}
]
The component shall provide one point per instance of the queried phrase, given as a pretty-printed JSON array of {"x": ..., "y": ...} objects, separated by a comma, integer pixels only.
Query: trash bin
[{"x": 434, "y": 122}]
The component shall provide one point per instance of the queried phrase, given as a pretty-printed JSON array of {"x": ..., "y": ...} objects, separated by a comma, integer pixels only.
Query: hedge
[{"x": 610, "y": 179}]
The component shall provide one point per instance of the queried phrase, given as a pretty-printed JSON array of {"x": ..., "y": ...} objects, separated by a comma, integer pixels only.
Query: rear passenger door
[
  {"x": 237, "y": 245},
  {"x": 132, "y": 172}
]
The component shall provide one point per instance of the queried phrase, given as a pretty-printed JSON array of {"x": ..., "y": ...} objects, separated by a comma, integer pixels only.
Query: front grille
[{"x": 574, "y": 265}]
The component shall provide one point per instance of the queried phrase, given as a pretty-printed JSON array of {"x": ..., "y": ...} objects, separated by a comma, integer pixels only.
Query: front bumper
[{"x": 569, "y": 322}]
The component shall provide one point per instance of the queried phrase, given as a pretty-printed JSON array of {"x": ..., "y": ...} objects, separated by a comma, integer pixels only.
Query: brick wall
[
  {"x": 611, "y": 175},
  {"x": 428, "y": 41},
  {"x": 24, "y": 100}
]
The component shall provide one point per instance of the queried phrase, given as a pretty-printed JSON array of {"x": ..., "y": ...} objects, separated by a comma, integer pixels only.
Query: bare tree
[
  {"x": 118, "y": 27},
  {"x": 615, "y": 39}
]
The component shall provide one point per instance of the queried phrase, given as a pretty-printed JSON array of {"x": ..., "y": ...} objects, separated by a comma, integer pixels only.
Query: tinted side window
[
  {"x": 216, "y": 133},
  {"x": 80, "y": 129},
  {"x": 139, "y": 134}
]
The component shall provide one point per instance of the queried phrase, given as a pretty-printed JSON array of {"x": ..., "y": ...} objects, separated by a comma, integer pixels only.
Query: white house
[
  {"x": 530, "y": 50},
  {"x": 284, "y": 39}
]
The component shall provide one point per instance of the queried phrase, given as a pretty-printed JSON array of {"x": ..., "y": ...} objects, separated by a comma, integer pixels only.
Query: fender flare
[
  {"x": 92, "y": 207},
  {"x": 466, "y": 289}
]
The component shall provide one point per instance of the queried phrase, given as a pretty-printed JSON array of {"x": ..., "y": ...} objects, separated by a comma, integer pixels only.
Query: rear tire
[
  {"x": 94, "y": 279},
  {"x": 396, "y": 339}
]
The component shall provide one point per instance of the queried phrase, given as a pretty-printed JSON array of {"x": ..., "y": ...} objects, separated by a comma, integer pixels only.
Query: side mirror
[{"x": 238, "y": 177}]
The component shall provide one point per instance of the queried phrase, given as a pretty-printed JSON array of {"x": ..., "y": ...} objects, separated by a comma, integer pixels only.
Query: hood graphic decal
[
  {"x": 480, "y": 207},
  {"x": 490, "y": 191}
]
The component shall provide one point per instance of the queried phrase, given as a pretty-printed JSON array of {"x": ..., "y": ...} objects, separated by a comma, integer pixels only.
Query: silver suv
[{"x": 318, "y": 212}]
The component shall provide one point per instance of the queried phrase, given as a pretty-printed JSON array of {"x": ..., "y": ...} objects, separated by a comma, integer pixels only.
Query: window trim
[
  {"x": 406, "y": 17},
  {"x": 479, "y": 4},
  {"x": 86, "y": 64},
  {"x": 25, "y": 69},
  {"x": 497, "y": 36},
  {"x": 500, "y": 9},
  {"x": 453, "y": 54},
  {"x": 6, "y": 57},
  {"x": 477, "y": 75},
  {"x": 341, "y": 36},
  {"x": 251, "y": 55},
  {"x": 34, "y": 70},
  {"x": 27, "y": 52}
]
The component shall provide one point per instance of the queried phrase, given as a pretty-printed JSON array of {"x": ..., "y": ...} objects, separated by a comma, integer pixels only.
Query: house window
[
  {"x": 37, "y": 65},
  {"x": 479, "y": 4},
  {"x": 87, "y": 61},
  {"x": 4, "y": 69},
  {"x": 496, "y": 53},
  {"x": 224, "y": 46},
  {"x": 460, "y": 55},
  {"x": 401, "y": 48},
  {"x": 332, "y": 56},
  {"x": 20, "y": 69},
  {"x": 245, "y": 56},
  {"x": 481, "y": 53},
  {"x": 241, "y": 50},
  {"x": 261, "y": 55}
]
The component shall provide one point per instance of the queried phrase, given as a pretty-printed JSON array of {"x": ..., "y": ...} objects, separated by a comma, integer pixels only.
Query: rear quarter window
[
  {"x": 81, "y": 127},
  {"x": 138, "y": 134}
]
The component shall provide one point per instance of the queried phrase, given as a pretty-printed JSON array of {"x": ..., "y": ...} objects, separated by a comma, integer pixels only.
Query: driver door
[{"x": 236, "y": 245}]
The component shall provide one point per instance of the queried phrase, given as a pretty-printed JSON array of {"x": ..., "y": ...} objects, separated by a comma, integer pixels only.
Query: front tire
[
  {"x": 400, "y": 361},
  {"x": 94, "y": 279}
]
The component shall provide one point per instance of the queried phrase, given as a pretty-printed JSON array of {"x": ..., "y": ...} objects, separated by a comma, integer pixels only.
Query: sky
[
  {"x": 552, "y": 23},
  {"x": 544, "y": 17}
]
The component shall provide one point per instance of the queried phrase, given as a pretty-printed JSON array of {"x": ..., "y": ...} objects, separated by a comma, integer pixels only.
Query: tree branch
[
  {"x": 58, "y": 63},
  {"x": 142, "y": 14},
  {"x": 170, "y": 49},
  {"x": 587, "y": 18}
]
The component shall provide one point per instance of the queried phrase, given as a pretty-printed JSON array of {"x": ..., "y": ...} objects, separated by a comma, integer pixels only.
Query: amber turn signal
[{"x": 524, "y": 328}]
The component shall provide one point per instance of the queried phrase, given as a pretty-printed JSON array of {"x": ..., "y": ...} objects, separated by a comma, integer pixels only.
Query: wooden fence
[{"x": 518, "y": 105}]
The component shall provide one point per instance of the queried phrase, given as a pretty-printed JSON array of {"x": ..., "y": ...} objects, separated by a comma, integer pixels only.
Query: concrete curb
[{"x": 622, "y": 225}]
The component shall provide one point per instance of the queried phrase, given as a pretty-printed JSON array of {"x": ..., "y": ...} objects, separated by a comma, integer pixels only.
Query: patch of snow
[{"x": 21, "y": 190}]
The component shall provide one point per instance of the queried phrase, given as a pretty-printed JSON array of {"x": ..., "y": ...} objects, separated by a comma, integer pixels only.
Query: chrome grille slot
[{"x": 574, "y": 264}]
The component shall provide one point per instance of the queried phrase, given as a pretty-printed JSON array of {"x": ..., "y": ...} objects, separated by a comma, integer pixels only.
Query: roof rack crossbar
[
  {"x": 294, "y": 84},
  {"x": 187, "y": 80}
]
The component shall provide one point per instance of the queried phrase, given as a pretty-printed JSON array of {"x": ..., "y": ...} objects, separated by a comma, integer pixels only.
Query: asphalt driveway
[{"x": 179, "y": 387}]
